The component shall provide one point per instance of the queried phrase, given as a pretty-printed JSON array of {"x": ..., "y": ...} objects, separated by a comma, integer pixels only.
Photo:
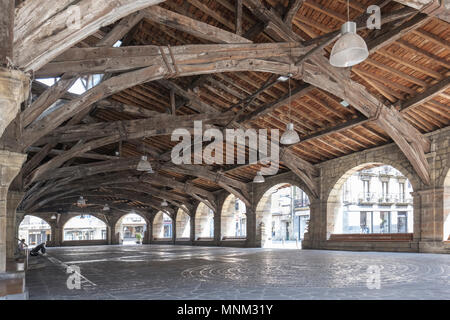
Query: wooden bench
[
  {"x": 234, "y": 238},
  {"x": 372, "y": 237}
]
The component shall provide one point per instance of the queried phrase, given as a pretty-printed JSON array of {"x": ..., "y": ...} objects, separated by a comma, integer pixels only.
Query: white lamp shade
[
  {"x": 290, "y": 136},
  {"x": 106, "y": 208},
  {"x": 54, "y": 217},
  {"x": 259, "y": 178},
  {"x": 350, "y": 49},
  {"x": 164, "y": 204},
  {"x": 81, "y": 201},
  {"x": 144, "y": 165}
]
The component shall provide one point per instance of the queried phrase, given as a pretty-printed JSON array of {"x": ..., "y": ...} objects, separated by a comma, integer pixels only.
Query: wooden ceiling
[{"x": 408, "y": 68}]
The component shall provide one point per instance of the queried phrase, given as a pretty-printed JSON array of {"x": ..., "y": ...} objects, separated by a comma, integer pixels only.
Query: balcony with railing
[
  {"x": 301, "y": 203},
  {"x": 365, "y": 198},
  {"x": 369, "y": 198}
]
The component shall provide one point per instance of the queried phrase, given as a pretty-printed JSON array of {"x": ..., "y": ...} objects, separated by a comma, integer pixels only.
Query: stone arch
[
  {"x": 335, "y": 184},
  {"x": 119, "y": 230},
  {"x": 162, "y": 228},
  {"x": 291, "y": 179},
  {"x": 93, "y": 228},
  {"x": 204, "y": 222},
  {"x": 263, "y": 210},
  {"x": 333, "y": 194},
  {"x": 183, "y": 225},
  {"x": 34, "y": 232},
  {"x": 233, "y": 218}
]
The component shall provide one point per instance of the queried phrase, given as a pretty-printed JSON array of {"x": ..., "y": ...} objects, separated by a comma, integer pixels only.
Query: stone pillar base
[{"x": 10, "y": 165}]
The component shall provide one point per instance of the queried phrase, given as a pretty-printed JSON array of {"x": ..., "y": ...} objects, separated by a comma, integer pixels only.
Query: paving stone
[{"x": 115, "y": 272}]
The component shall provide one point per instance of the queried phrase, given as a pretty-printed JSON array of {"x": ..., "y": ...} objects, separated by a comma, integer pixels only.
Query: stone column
[
  {"x": 151, "y": 219},
  {"x": 14, "y": 89},
  {"x": 147, "y": 234},
  {"x": 192, "y": 234},
  {"x": 217, "y": 227},
  {"x": 174, "y": 229},
  {"x": 20, "y": 215},
  {"x": 251, "y": 227},
  {"x": 12, "y": 202},
  {"x": 431, "y": 214},
  {"x": 317, "y": 227},
  {"x": 10, "y": 165},
  {"x": 57, "y": 234},
  {"x": 108, "y": 235}
]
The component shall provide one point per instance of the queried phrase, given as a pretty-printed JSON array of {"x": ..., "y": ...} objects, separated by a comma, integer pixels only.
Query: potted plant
[{"x": 138, "y": 238}]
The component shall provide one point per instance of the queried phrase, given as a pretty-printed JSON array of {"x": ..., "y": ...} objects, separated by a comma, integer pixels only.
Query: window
[
  {"x": 167, "y": 230},
  {"x": 366, "y": 190},
  {"x": 401, "y": 192},
  {"x": 402, "y": 222},
  {"x": 385, "y": 189},
  {"x": 385, "y": 225},
  {"x": 365, "y": 222}
]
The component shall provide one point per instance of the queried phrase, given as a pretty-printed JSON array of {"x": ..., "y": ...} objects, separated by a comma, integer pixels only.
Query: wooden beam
[
  {"x": 436, "y": 8},
  {"x": 239, "y": 17},
  {"x": 395, "y": 34},
  {"x": 269, "y": 107},
  {"x": 101, "y": 60},
  {"x": 47, "y": 99},
  {"x": 121, "y": 29},
  {"x": 294, "y": 6},
  {"x": 409, "y": 140},
  {"x": 158, "y": 125},
  {"x": 130, "y": 79},
  {"x": 428, "y": 94},
  {"x": 6, "y": 31},
  {"x": 128, "y": 109},
  {"x": 42, "y": 37},
  {"x": 336, "y": 81},
  {"x": 194, "y": 27}
]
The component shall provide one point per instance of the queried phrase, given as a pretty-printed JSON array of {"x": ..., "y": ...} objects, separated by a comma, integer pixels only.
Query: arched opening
[
  {"x": 447, "y": 207},
  {"x": 282, "y": 216},
  {"x": 233, "y": 223},
  {"x": 162, "y": 226},
  {"x": 131, "y": 229},
  {"x": 34, "y": 230},
  {"x": 371, "y": 199},
  {"x": 183, "y": 229},
  {"x": 85, "y": 228},
  {"x": 204, "y": 223}
]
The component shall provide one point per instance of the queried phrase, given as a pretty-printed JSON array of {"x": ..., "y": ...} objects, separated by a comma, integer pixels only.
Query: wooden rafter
[
  {"x": 7, "y": 31},
  {"x": 324, "y": 76},
  {"x": 58, "y": 27}
]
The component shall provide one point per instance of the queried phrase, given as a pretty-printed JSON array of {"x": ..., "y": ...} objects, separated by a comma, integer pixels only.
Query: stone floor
[{"x": 181, "y": 272}]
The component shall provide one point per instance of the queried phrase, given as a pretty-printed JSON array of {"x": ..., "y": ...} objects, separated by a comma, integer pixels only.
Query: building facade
[
  {"x": 34, "y": 230},
  {"x": 84, "y": 227},
  {"x": 290, "y": 213},
  {"x": 376, "y": 200}
]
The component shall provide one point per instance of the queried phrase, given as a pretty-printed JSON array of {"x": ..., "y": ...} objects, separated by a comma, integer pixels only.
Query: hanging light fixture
[
  {"x": 290, "y": 136},
  {"x": 54, "y": 217},
  {"x": 106, "y": 207},
  {"x": 350, "y": 49},
  {"x": 259, "y": 178},
  {"x": 81, "y": 202},
  {"x": 144, "y": 165},
  {"x": 164, "y": 203}
]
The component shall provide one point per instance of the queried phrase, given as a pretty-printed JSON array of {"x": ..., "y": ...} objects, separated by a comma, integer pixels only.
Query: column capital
[{"x": 14, "y": 89}]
